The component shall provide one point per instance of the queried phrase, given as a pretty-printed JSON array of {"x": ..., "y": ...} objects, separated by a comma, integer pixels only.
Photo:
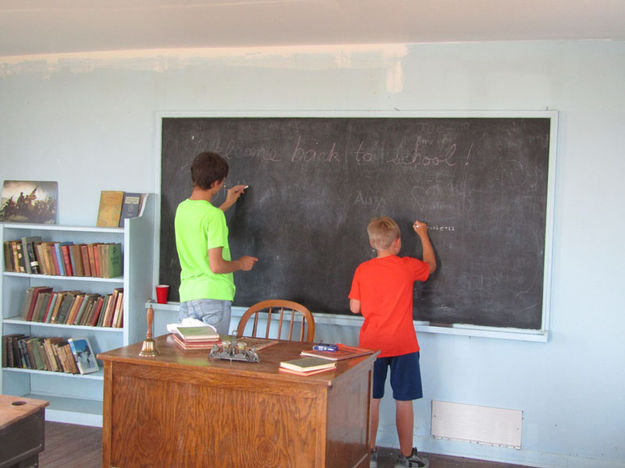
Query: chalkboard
[{"x": 481, "y": 184}]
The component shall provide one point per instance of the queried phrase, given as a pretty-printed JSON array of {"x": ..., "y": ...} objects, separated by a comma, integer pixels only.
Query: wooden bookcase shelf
[{"x": 77, "y": 399}]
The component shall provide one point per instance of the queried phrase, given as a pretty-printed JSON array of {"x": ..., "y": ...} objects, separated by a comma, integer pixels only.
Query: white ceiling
[{"x": 60, "y": 26}]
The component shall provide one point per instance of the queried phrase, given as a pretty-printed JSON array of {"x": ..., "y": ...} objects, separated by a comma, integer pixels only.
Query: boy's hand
[
  {"x": 232, "y": 195},
  {"x": 246, "y": 263},
  {"x": 420, "y": 227}
]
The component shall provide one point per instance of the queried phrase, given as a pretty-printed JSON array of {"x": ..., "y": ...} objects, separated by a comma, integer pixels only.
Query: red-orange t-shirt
[{"x": 384, "y": 287}]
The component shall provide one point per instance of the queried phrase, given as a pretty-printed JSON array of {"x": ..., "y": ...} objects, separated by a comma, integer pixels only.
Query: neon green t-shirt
[{"x": 199, "y": 227}]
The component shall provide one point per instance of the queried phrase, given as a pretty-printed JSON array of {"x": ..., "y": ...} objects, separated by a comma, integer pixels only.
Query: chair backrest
[{"x": 279, "y": 314}]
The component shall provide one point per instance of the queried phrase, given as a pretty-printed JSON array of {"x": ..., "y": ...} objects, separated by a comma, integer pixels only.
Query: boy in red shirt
[{"x": 382, "y": 291}]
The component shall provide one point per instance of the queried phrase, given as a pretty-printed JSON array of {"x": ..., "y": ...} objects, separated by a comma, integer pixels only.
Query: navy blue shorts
[{"x": 405, "y": 376}]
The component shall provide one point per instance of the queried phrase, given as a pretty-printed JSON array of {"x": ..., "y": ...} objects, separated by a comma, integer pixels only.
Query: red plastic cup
[{"x": 162, "y": 292}]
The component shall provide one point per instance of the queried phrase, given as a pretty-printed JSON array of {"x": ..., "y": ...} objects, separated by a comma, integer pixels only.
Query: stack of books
[
  {"x": 190, "y": 338},
  {"x": 307, "y": 366}
]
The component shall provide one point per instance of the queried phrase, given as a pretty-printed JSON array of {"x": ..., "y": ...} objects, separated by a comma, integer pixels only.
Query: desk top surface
[
  {"x": 170, "y": 355},
  {"x": 13, "y": 408}
]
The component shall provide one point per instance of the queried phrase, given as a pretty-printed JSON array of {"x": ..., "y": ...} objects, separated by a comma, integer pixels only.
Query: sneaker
[
  {"x": 413, "y": 460},
  {"x": 373, "y": 458}
]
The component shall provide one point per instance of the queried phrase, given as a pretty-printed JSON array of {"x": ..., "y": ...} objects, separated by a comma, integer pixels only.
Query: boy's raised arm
[{"x": 421, "y": 229}]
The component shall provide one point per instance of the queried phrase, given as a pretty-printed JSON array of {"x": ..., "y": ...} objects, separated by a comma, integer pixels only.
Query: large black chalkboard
[{"x": 314, "y": 184}]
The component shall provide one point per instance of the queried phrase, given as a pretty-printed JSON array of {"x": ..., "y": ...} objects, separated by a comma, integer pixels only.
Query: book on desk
[
  {"x": 307, "y": 365},
  {"x": 343, "y": 352}
]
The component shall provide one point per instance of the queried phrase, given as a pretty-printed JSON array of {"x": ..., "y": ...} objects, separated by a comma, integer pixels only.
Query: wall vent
[{"x": 478, "y": 424}]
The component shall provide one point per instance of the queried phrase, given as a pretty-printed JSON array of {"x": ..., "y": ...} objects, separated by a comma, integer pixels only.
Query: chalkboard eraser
[{"x": 435, "y": 324}]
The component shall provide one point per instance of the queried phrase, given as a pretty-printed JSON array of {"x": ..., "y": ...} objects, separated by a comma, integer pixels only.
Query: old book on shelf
[
  {"x": 76, "y": 259},
  {"x": 95, "y": 315},
  {"x": 18, "y": 257},
  {"x": 57, "y": 259},
  {"x": 308, "y": 364},
  {"x": 41, "y": 305},
  {"x": 83, "y": 355},
  {"x": 113, "y": 260},
  {"x": 110, "y": 209},
  {"x": 28, "y": 249},
  {"x": 66, "y": 305},
  {"x": 118, "y": 314},
  {"x": 86, "y": 262},
  {"x": 67, "y": 358},
  {"x": 31, "y": 300},
  {"x": 343, "y": 352},
  {"x": 67, "y": 262},
  {"x": 131, "y": 206}
]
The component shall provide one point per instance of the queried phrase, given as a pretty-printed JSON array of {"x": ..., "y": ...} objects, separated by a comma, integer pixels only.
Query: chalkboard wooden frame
[{"x": 533, "y": 334}]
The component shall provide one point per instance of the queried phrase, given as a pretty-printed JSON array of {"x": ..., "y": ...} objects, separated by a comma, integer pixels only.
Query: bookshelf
[{"x": 76, "y": 398}]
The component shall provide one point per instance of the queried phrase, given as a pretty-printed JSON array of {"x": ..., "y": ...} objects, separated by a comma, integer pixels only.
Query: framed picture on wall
[{"x": 25, "y": 201}]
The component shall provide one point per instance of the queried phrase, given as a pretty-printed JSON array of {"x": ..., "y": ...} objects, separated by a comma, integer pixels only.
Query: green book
[
  {"x": 206, "y": 333},
  {"x": 308, "y": 364},
  {"x": 114, "y": 260}
]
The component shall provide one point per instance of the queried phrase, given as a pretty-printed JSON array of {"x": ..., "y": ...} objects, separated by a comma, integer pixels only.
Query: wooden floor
[{"x": 71, "y": 446}]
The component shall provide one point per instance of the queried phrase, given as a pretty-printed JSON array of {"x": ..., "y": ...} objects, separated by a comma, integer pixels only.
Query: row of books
[
  {"x": 54, "y": 354},
  {"x": 42, "y": 304},
  {"x": 32, "y": 255}
]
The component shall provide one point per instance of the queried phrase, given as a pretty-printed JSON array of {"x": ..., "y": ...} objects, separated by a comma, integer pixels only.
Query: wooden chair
[{"x": 290, "y": 314}]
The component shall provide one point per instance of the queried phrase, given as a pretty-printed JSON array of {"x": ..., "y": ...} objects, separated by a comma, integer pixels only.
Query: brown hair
[
  {"x": 208, "y": 167},
  {"x": 383, "y": 231}
]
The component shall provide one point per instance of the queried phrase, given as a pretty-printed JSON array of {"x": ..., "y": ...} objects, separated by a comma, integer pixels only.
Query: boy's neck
[
  {"x": 385, "y": 253},
  {"x": 202, "y": 194}
]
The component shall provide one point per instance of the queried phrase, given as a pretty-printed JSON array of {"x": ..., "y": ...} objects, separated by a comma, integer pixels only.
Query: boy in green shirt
[{"x": 206, "y": 281}]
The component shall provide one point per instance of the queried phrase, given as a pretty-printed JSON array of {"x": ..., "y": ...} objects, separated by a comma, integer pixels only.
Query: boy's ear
[{"x": 215, "y": 183}]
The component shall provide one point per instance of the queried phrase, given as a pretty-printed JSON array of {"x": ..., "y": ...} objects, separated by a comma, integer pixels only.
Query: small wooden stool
[{"x": 21, "y": 431}]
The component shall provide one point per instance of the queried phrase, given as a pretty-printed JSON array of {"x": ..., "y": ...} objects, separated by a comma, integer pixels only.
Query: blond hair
[{"x": 383, "y": 231}]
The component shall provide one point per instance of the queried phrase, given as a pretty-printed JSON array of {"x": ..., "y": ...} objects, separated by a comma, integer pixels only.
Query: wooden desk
[
  {"x": 21, "y": 431},
  {"x": 182, "y": 409}
]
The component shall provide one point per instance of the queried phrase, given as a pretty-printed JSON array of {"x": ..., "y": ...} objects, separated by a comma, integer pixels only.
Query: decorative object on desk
[
  {"x": 131, "y": 206},
  {"x": 162, "y": 293},
  {"x": 26, "y": 201},
  {"x": 342, "y": 352},
  {"x": 233, "y": 350},
  {"x": 83, "y": 354},
  {"x": 307, "y": 365},
  {"x": 148, "y": 349},
  {"x": 110, "y": 208}
]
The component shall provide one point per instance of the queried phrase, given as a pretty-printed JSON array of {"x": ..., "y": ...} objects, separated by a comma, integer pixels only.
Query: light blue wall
[{"x": 88, "y": 121}]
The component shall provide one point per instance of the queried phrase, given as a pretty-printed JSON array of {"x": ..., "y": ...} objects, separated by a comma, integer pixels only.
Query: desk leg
[{"x": 106, "y": 414}]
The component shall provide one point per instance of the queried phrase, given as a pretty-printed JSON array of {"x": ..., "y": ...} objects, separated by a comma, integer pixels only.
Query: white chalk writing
[{"x": 314, "y": 155}]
